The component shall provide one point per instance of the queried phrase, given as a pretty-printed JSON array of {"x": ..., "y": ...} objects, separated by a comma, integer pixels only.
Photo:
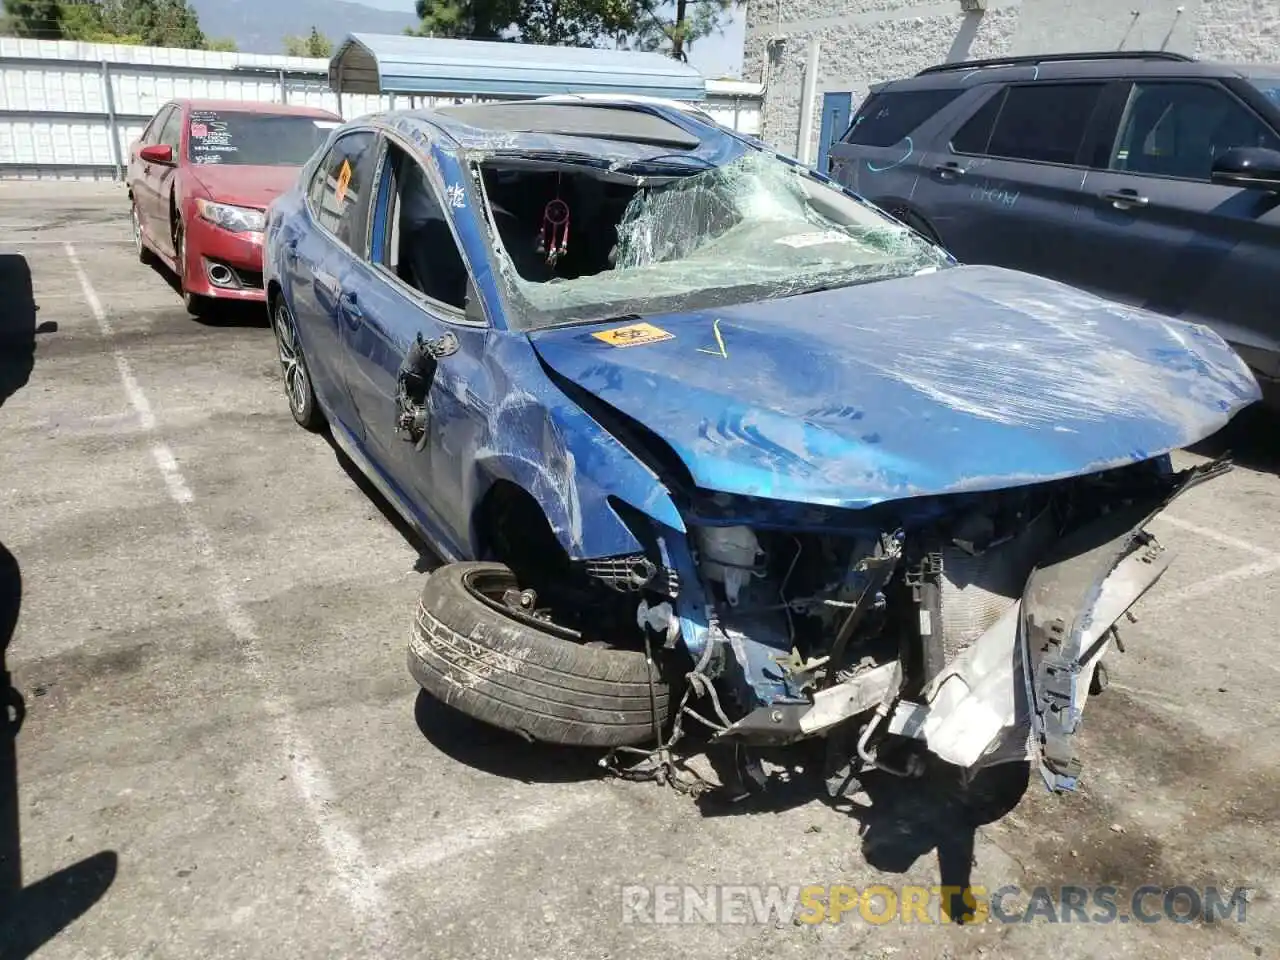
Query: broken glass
[{"x": 756, "y": 228}]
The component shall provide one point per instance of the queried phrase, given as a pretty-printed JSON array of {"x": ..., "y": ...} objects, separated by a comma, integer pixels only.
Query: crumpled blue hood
[{"x": 970, "y": 378}]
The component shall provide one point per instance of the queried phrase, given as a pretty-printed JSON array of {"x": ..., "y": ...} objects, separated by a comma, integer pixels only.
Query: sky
[{"x": 714, "y": 56}]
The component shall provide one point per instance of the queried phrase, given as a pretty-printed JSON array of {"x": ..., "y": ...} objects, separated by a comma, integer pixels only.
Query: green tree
[
  {"x": 473, "y": 19},
  {"x": 224, "y": 44},
  {"x": 83, "y": 21},
  {"x": 580, "y": 23},
  {"x": 154, "y": 23},
  {"x": 671, "y": 26},
  {"x": 674, "y": 27},
  {"x": 574, "y": 23},
  {"x": 37, "y": 19},
  {"x": 316, "y": 44}
]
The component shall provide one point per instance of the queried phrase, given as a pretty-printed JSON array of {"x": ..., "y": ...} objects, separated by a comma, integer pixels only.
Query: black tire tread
[{"x": 511, "y": 675}]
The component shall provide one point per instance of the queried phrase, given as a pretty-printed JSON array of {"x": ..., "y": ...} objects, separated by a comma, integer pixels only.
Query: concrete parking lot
[{"x": 224, "y": 755}]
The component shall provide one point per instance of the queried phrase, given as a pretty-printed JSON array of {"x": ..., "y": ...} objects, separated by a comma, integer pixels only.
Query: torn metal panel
[{"x": 1072, "y": 600}]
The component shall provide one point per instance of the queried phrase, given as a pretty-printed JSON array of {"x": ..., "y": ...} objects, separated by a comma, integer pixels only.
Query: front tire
[
  {"x": 512, "y": 671},
  {"x": 202, "y": 308},
  {"x": 293, "y": 366}
]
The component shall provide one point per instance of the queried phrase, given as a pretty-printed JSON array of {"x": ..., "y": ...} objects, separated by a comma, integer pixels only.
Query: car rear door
[
  {"x": 1158, "y": 233},
  {"x": 315, "y": 256},
  {"x": 1005, "y": 187},
  {"x": 415, "y": 287}
]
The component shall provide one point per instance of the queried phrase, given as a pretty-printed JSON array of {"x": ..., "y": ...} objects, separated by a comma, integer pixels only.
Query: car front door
[
  {"x": 144, "y": 176},
  {"x": 161, "y": 178},
  {"x": 1158, "y": 233},
  {"x": 415, "y": 288},
  {"x": 316, "y": 253},
  {"x": 1006, "y": 185}
]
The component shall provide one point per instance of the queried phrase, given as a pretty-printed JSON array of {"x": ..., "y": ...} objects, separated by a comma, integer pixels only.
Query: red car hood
[{"x": 244, "y": 186}]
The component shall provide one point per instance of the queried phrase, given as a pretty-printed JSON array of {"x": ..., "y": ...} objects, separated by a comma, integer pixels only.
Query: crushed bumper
[{"x": 1017, "y": 693}]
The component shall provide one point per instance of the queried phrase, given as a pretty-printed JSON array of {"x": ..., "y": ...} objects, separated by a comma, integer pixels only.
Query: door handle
[
  {"x": 1124, "y": 199},
  {"x": 349, "y": 307},
  {"x": 949, "y": 170},
  {"x": 291, "y": 250}
]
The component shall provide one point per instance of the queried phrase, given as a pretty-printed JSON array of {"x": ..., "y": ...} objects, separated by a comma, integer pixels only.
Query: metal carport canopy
[{"x": 426, "y": 66}]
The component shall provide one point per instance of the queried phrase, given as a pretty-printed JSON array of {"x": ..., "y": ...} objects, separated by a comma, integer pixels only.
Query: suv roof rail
[{"x": 1036, "y": 59}]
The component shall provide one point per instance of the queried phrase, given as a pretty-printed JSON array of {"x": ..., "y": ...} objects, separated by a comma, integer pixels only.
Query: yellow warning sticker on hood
[{"x": 633, "y": 335}]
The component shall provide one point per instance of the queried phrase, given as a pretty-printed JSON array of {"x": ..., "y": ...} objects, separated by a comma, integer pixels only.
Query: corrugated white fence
[{"x": 72, "y": 109}]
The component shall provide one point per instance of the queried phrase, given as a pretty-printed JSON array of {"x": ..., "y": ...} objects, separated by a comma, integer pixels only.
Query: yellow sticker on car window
[
  {"x": 634, "y": 335},
  {"x": 344, "y": 180}
]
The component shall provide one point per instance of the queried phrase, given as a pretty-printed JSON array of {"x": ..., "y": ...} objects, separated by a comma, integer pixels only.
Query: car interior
[{"x": 554, "y": 221}]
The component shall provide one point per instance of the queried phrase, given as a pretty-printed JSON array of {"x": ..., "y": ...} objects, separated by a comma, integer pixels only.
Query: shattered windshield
[{"x": 753, "y": 229}]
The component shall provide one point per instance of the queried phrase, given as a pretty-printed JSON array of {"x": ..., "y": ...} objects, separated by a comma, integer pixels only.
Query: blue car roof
[{"x": 609, "y": 130}]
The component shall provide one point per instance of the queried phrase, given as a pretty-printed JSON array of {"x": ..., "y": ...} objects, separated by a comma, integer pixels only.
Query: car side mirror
[
  {"x": 157, "y": 153},
  {"x": 1255, "y": 168}
]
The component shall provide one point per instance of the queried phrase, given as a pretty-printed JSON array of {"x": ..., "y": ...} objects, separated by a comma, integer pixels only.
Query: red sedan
[{"x": 200, "y": 179}]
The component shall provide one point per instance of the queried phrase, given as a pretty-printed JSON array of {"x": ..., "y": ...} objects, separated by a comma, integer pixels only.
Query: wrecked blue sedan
[{"x": 704, "y": 438}]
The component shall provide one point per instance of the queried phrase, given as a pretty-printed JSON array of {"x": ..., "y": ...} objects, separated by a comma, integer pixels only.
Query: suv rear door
[
  {"x": 1157, "y": 233},
  {"x": 1004, "y": 183},
  {"x": 879, "y": 156}
]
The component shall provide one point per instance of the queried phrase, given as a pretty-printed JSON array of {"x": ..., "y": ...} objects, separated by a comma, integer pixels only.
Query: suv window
[
  {"x": 340, "y": 187},
  {"x": 886, "y": 118},
  {"x": 1179, "y": 129},
  {"x": 1044, "y": 122}
]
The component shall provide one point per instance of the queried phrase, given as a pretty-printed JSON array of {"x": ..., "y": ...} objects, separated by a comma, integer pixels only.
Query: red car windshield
[{"x": 257, "y": 139}]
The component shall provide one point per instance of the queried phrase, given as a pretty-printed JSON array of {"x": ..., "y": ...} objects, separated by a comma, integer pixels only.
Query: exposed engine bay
[{"x": 973, "y": 623}]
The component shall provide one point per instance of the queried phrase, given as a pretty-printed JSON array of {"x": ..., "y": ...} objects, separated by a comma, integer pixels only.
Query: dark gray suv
[{"x": 1148, "y": 178}]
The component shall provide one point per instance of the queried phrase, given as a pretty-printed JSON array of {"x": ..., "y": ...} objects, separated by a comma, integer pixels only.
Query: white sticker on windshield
[
  {"x": 327, "y": 124},
  {"x": 815, "y": 239}
]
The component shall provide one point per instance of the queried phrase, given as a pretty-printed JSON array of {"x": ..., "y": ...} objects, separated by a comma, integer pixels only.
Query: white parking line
[
  {"x": 1218, "y": 537},
  {"x": 352, "y": 865},
  {"x": 478, "y": 834},
  {"x": 10, "y": 241},
  {"x": 1211, "y": 585}
]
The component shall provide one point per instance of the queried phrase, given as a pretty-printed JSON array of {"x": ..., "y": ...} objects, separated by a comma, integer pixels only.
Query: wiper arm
[{"x": 662, "y": 160}]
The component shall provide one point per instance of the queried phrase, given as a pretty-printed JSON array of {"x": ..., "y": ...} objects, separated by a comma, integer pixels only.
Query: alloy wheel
[{"x": 296, "y": 382}]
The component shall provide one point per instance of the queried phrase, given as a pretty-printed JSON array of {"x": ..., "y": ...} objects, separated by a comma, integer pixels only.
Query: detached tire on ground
[{"x": 514, "y": 672}]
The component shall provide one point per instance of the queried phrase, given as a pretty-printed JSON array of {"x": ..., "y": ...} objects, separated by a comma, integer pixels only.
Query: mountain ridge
[{"x": 259, "y": 27}]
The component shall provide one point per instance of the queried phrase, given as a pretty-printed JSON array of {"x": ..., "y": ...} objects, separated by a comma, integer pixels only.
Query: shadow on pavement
[
  {"x": 17, "y": 325},
  {"x": 427, "y": 560},
  {"x": 1252, "y": 438},
  {"x": 32, "y": 916},
  {"x": 218, "y": 313},
  {"x": 902, "y": 819},
  {"x": 498, "y": 752}
]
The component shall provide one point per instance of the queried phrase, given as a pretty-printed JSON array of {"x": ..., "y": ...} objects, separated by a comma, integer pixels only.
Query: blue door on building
[{"x": 836, "y": 108}]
